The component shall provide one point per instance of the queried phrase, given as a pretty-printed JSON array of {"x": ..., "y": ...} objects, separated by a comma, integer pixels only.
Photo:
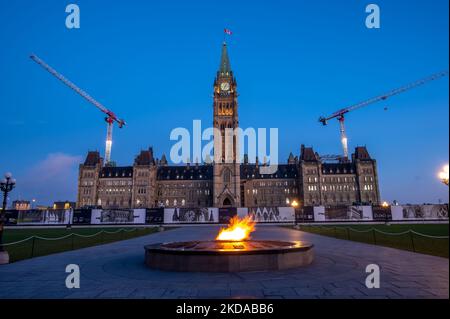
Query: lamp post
[
  {"x": 443, "y": 175},
  {"x": 6, "y": 185},
  {"x": 295, "y": 205},
  {"x": 385, "y": 205}
]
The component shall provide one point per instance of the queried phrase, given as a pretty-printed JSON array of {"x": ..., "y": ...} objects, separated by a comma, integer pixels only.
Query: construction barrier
[{"x": 213, "y": 215}]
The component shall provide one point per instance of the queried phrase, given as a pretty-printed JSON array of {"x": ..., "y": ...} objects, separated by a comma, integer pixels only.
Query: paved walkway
[{"x": 117, "y": 270}]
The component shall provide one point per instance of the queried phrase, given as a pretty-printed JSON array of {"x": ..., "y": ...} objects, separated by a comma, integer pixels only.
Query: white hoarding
[
  {"x": 319, "y": 213},
  {"x": 191, "y": 215}
]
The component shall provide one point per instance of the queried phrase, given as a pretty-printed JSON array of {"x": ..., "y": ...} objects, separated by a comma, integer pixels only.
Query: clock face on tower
[{"x": 225, "y": 86}]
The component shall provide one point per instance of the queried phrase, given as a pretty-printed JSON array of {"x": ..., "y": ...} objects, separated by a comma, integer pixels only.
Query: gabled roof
[
  {"x": 307, "y": 154},
  {"x": 145, "y": 158},
  {"x": 362, "y": 154},
  {"x": 338, "y": 168},
  {"x": 251, "y": 171},
  {"x": 93, "y": 158},
  {"x": 116, "y": 172},
  {"x": 191, "y": 172}
]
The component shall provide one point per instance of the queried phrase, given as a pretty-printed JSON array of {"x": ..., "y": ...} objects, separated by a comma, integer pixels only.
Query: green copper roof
[{"x": 224, "y": 60}]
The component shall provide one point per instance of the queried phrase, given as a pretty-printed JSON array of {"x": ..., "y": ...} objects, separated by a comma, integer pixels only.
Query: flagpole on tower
[{"x": 225, "y": 33}]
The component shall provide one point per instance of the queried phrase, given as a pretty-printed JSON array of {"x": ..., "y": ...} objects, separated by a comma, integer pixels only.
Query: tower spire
[{"x": 225, "y": 66}]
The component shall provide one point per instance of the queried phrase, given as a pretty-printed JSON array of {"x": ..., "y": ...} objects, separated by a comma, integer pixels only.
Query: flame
[{"x": 237, "y": 230}]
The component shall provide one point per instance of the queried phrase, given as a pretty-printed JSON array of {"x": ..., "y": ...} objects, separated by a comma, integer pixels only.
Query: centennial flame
[{"x": 237, "y": 230}]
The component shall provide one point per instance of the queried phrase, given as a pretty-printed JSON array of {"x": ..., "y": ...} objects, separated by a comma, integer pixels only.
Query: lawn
[
  {"x": 412, "y": 237},
  {"x": 29, "y": 243}
]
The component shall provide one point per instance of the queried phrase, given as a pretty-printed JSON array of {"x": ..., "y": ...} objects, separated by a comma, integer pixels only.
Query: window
[{"x": 227, "y": 176}]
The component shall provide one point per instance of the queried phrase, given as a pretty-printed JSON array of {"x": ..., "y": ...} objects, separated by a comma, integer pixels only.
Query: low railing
[
  {"x": 407, "y": 240},
  {"x": 35, "y": 246}
]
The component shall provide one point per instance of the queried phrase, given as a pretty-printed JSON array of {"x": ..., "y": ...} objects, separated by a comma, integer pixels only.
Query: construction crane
[
  {"x": 110, "y": 116},
  {"x": 340, "y": 114}
]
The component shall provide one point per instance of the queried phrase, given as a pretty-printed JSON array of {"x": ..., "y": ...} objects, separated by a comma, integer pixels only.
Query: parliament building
[{"x": 152, "y": 182}]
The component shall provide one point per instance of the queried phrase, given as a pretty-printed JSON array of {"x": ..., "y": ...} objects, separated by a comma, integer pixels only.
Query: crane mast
[
  {"x": 340, "y": 115},
  {"x": 344, "y": 139},
  {"x": 110, "y": 116}
]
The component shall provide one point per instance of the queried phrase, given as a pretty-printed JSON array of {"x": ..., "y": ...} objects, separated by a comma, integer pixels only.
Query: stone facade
[
  {"x": 226, "y": 171},
  {"x": 226, "y": 182}
]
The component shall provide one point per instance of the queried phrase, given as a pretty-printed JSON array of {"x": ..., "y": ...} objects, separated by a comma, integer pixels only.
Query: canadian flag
[{"x": 228, "y": 31}]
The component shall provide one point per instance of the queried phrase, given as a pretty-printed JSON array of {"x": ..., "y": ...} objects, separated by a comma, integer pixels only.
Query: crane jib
[
  {"x": 75, "y": 88},
  {"x": 111, "y": 117},
  {"x": 385, "y": 96},
  {"x": 340, "y": 114}
]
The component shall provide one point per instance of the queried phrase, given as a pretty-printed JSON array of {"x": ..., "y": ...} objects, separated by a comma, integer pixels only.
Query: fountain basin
[{"x": 229, "y": 256}]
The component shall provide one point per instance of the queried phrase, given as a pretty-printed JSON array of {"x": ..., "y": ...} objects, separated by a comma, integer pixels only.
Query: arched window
[
  {"x": 227, "y": 176},
  {"x": 227, "y": 202}
]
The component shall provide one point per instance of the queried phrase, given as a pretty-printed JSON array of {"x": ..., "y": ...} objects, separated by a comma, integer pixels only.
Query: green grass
[
  {"x": 39, "y": 247},
  {"x": 409, "y": 241}
]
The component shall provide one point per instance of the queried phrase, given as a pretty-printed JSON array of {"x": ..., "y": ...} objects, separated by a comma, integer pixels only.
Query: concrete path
[{"x": 117, "y": 270}]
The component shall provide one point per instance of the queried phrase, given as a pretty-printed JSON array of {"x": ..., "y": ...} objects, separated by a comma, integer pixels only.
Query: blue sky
[{"x": 153, "y": 63}]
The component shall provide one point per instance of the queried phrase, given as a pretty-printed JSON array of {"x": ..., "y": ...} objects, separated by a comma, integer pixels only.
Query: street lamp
[
  {"x": 295, "y": 205},
  {"x": 6, "y": 185},
  {"x": 386, "y": 206},
  {"x": 443, "y": 175}
]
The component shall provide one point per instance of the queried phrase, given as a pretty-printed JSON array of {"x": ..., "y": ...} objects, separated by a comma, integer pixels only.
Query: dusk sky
[{"x": 153, "y": 63}]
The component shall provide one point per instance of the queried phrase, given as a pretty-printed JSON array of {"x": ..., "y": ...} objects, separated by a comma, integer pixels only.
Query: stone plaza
[{"x": 117, "y": 270}]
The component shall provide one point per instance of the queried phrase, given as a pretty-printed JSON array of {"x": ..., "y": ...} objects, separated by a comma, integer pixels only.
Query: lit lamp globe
[
  {"x": 6, "y": 185},
  {"x": 443, "y": 175},
  {"x": 295, "y": 205},
  {"x": 386, "y": 205}
]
